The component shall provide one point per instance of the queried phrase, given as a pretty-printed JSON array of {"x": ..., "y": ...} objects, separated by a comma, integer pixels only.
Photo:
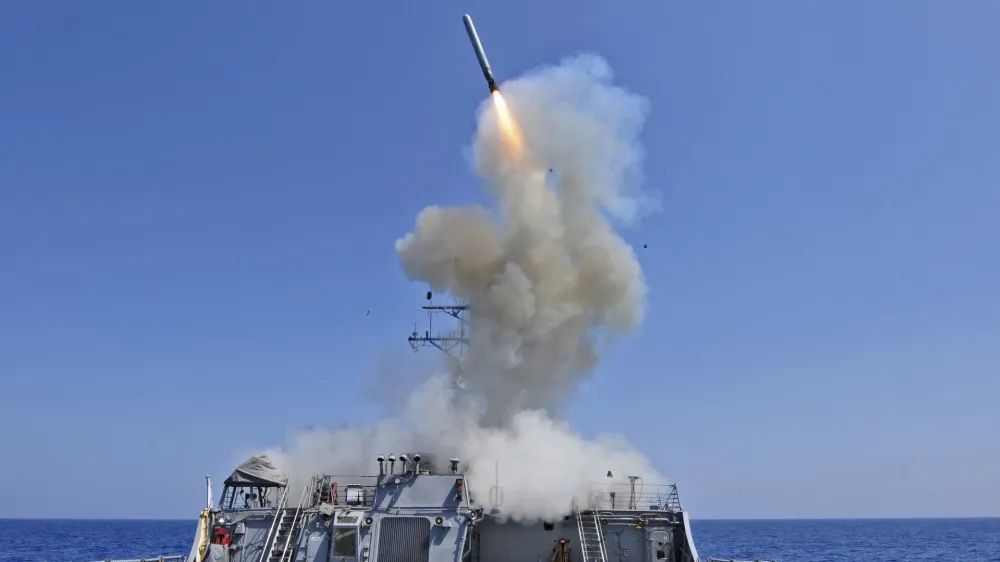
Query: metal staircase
[
  {"x": 591, "y": 537},
  {"x": 274, "y": 523},
  {"x": 287, "y": 527}
]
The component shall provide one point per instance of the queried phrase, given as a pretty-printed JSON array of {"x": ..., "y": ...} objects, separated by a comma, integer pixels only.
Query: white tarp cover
[{"x": 257, "y": 471}]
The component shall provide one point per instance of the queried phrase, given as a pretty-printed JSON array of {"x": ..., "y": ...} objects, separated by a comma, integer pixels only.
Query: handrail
[
  {"x": 340, "y": 495},
  {"x": 628, "y": 516},
  {"x": 295, "y": 520},
  {"x": 600, "y": 536},
  {"x": 466, "y": 492},
  {"x": 579, "y": 530},
  {"x": 623, "y": 497},
  {"x": 160, "y": 558},
  {"x": 277, "y": 515}
]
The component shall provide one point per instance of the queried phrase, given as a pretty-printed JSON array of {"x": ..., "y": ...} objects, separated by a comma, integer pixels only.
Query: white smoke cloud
[{"x": 545, "y": 276}]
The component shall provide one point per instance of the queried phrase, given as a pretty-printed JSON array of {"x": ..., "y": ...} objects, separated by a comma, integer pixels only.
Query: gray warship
[{"x": 415, "y": 508}]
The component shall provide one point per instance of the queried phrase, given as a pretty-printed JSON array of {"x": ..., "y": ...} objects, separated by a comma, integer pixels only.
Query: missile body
[{"x": 478, "y": 47}]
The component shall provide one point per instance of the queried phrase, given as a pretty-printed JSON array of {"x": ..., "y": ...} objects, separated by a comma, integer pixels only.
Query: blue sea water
[{"x": 888, "y": 540}]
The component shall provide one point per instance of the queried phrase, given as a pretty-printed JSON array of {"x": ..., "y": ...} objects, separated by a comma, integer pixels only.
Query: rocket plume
[
  {"x": 511, "y": 134},
  {"x": 546, "y": 278}
]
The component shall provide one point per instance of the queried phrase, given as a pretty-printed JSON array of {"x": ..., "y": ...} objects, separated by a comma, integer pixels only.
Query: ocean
[{"x": 882, "y": 540}]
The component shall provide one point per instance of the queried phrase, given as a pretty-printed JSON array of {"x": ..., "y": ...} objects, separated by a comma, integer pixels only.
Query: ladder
[
  {"x": 286, "y": 539},
  {"x": 591, "y": 537},
  {"x": 274, "y": 523}
]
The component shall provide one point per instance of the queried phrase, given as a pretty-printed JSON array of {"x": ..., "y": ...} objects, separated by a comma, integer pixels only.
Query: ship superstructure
[{"x": 416, "y": 510}]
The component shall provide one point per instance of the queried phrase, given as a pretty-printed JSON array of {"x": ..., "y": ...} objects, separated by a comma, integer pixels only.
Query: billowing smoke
[{"x": 548, "y": 283}]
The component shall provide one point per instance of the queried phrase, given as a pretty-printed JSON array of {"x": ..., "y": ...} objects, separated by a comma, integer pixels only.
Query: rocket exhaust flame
[{"x": 508, "y": 126}]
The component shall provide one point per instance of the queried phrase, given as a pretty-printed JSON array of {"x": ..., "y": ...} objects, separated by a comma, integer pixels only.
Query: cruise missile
[{"x": 478, "y": 47}]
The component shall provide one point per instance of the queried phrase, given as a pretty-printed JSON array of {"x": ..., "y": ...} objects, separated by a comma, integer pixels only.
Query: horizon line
[{"x": 747, "y": 519}]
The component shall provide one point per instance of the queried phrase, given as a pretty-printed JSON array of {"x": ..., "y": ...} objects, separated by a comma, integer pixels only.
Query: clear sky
[{"x": 200, "y": 199}]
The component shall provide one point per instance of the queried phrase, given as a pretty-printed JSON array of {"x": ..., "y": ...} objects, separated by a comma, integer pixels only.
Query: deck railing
[
  {"x": 174, "y": 558},
  {"x": 637, "y": 497},
  {"x": 354, "y": 491}
]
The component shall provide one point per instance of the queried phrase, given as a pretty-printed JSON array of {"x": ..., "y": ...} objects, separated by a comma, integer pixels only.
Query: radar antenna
[{"x": 452, "y": 342}]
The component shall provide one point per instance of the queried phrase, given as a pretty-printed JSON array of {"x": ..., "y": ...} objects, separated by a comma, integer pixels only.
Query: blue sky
[{"x": 196, "y": 199}]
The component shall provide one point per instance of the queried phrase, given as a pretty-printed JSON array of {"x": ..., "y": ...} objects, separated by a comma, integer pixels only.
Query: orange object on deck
[
  {"x": 561, "y": 552},
  {"x": 222, "y": 537}
]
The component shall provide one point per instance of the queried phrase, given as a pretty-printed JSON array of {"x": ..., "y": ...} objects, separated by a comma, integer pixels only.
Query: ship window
[{"x": 345, "y": 541}]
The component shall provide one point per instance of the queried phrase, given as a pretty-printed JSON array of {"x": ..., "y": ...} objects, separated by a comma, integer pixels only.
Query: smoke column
[{"x": 547, "y": 279}]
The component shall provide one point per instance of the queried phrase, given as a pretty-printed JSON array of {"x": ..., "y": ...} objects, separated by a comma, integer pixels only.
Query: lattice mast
[{"x": 454, "y": 341}]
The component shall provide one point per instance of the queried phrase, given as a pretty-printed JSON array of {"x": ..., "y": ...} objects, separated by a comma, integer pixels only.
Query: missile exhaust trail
[{"x": 480, "y": 54}]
